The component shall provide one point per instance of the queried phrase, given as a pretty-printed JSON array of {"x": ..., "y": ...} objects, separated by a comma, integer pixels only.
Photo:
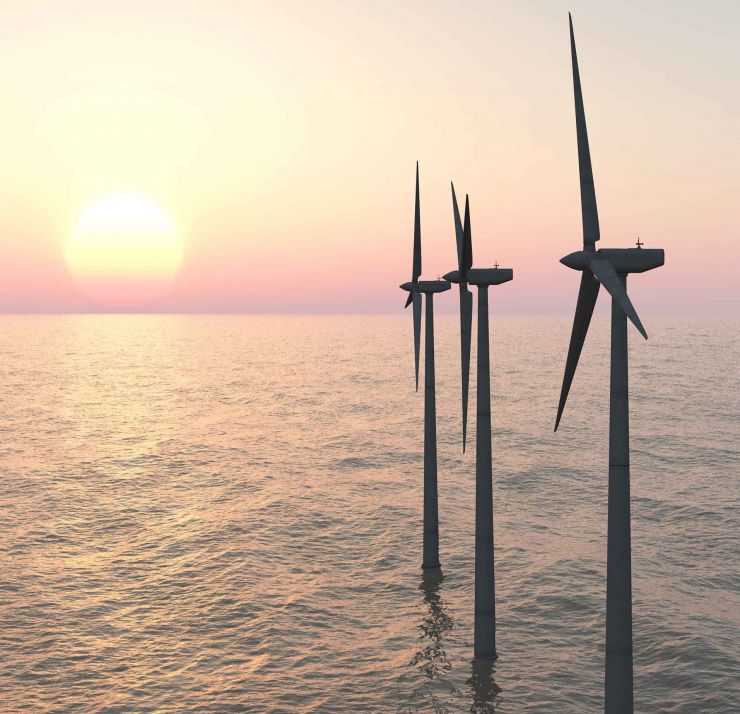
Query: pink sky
[{"x": 282, "y": 137}]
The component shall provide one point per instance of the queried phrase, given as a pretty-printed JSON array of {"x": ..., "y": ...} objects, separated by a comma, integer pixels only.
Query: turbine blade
[
  {"x": 459, "y": 236},
  {"x": 466, "y": 322},
  {"x": 409, "y": 300},
  {"x": 467, "y": 261},
  {"x": 587, "y": 294},
  {"x": 589, "y": 214},
  {"x": 416, "y": 270},
  {"x": 416, "y": 297},
  {"x": 605, "y": 272}
]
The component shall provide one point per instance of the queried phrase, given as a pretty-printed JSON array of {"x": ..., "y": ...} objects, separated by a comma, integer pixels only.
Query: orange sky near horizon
[{"x": 281, "y": 139}]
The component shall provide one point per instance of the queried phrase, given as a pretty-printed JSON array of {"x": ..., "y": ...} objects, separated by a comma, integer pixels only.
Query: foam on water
[{"x": 223, "y": 514}]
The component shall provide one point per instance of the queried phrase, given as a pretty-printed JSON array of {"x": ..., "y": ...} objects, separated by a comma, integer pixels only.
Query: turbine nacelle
[
  {"x": 623, "y": 260},
  {"x": 426, "y": 286},
  {"x": 489, "y": 276},
  {"x": 633, "y": 260},
  {"x": 481, "y": 276}
]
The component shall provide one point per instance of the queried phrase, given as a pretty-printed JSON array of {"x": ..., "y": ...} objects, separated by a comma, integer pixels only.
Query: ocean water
[{"x": 223, "y": 513}]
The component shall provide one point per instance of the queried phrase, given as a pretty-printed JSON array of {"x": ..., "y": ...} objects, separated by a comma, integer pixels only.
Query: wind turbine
[
  {"x": 485, "y": 588},
  {"x": 415, "y": 289},
  {"x": 608, "y": 267}
]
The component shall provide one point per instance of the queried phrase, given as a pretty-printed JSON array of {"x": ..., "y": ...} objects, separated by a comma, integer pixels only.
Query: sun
[{"x": 124, "y": 249}]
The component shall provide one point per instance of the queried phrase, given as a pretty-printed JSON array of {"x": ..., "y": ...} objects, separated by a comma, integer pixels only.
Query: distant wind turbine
[
  {"x": 415, "y": 288},
  {"x": 485, "y": 588},
  {"x": 608, "y": 267}
]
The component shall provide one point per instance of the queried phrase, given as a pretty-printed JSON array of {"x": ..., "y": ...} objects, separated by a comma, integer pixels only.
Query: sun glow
[{"x": 124, "y": 248}]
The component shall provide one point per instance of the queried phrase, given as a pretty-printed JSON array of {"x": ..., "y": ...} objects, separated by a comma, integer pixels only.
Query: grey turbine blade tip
[
  {"x": 587, "y": 294},
  {"x": 416, "y": 266},
  {"x": 417, "y": 332},
  {"x": 459, "y": 235}
]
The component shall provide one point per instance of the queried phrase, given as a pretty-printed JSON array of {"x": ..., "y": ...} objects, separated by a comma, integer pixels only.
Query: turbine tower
[
  {"x": 415, "y": 289},
  {"x": 485, "y": 588},
  {"x": 608, "y": 267}
]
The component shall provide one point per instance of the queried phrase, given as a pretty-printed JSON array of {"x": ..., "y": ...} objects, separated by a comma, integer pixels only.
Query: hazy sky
[{"x": 281, "y": 138}]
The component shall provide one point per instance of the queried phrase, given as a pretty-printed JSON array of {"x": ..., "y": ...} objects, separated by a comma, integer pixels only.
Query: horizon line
[{"x": 368, "y": 313}]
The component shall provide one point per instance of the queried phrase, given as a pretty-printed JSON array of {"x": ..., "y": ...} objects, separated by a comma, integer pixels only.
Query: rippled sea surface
[{"x": 223, "y": 513}]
